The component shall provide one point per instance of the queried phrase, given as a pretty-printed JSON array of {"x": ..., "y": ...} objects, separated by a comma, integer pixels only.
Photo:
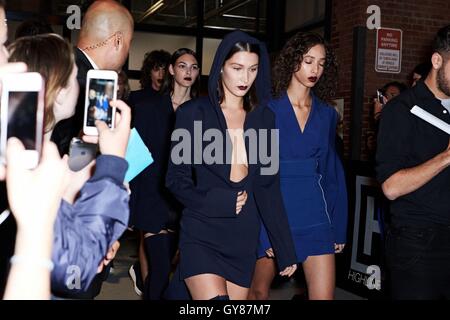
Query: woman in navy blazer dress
[
  {"x": 312, "y": 178},
  {"x": 225, "y": 200}
]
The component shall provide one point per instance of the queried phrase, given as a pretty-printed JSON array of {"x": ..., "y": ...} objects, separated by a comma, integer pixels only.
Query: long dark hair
[
  {"x": 251, "y": 98},
  {"x": 168, "y": 84},
  {"x": 290, "y": 59}
]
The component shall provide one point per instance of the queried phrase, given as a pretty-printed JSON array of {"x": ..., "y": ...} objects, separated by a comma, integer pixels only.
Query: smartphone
[
  {"x": 101, "y": 88},
  {"x": 22, "y": 114},
  {"x": 380, "y": 97},
  {"x": 81, "y": 154}
]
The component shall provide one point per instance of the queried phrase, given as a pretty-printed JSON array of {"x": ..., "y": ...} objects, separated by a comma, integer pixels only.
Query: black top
[
  {"x": 150, "y": 200},
  {"x": 140, "y": 97},
  {"x": 406, "y": 141},
  {"x": 66, "y": 129}
]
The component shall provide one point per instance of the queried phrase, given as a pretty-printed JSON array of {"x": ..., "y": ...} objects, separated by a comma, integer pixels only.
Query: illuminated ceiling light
[{"x": 152, "y": 9}]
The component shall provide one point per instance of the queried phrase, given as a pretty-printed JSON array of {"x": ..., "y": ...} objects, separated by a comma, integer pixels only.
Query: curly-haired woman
[{"x": 312, "y": 177}]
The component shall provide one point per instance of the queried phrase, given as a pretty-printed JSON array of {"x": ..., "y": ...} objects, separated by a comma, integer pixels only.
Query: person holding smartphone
[
  {"x": 104, "y": 42},
  {"x": 386, "y": 93},
  {"x": 79, "y": 228},
  {"x": 34, "y": 197},
  {"x": 57, "y": 66}
]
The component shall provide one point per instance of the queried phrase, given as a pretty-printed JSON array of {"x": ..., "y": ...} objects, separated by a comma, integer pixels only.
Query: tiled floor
[{"x": 120, "y": 287}]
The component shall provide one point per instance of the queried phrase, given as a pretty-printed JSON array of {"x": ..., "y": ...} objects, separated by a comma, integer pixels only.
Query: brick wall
[{"x": 418, "y": 19}]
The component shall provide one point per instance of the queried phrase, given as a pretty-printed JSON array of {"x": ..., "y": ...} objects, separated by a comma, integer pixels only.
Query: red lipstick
[{"x": 312, "y": 79}]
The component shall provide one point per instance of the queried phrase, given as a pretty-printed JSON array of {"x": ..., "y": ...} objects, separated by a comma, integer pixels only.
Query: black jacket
[
  {"x": 66, "y": 129},
  {"x": 150, "y": 200},
  {"x": 406, "y": 141},
  {"x": 205, "y": 189}
]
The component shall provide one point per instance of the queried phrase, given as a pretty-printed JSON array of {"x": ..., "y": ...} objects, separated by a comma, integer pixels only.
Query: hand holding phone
[
  {"x": 16, "y": 67},
  {"x": 35, "y": 195},
  {"x": 101, "y": 89},
  {"x": 81, "y": 154},
  {"x": 81, "y": 163},
  {"x": 114, "y": 142},
  {"x": 380, "y": 97},
  {"x": 22, "y": 114}
]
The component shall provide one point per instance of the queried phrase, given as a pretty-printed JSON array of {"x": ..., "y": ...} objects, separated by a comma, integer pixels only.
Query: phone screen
[
  {"x": 100, "y": 93},
  {"x": 22, "y": 121}
]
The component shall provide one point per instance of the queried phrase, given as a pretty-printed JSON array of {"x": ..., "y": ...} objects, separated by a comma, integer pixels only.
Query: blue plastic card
[{"x": 138, "y": 156}]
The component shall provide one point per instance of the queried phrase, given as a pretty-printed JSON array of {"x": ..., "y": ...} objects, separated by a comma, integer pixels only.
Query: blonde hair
[{"x": 53, "y": 58}]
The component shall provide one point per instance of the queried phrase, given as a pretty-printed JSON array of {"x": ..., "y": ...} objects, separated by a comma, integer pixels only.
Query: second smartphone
[
  {"x": 22, "y": 114},
  {"x": 101, "y": 88}
]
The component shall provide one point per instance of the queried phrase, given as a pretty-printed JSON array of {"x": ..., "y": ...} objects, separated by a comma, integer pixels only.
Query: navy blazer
[
  {"x": 150, "y": 200},
  {"x": 205, "y": 190}
]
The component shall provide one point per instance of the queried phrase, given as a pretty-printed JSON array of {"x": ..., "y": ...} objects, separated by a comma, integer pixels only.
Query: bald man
[{"x": 104, "y": 43}]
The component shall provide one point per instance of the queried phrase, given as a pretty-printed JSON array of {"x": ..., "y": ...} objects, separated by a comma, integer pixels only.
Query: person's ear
[
  {"x": 436, "y": 61},
  {"x": 171, "y": 71}
]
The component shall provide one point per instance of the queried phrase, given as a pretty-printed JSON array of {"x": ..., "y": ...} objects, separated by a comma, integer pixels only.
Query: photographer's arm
[{"x": 34, "y": 197}]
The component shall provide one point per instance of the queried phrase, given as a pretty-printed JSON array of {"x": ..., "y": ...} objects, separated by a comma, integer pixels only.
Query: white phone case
[
  {"x": 97, "y": 97},
  {"x": 22, "y": 83}
]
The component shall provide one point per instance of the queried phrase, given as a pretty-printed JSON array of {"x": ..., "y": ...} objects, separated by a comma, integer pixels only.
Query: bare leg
[
  {"x": 265, "y": 272},
  {"x": 320, "y": 276},
  {"x": 206, "y": 286},
  {"x": 142, "y": 257},
  {"x": 237, "y": 292}
]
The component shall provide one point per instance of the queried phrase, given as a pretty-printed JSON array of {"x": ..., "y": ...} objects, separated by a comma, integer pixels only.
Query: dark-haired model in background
[
  {"x": 153, "y": 71},
  {"x": 225, "y": 202}
]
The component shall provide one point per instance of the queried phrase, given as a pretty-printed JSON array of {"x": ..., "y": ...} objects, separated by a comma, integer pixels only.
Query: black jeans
[{"x": 418, "y": 260}]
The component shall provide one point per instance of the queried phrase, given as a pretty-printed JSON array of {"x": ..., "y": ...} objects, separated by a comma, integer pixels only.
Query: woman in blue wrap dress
[{"x": 311, "y": 174}]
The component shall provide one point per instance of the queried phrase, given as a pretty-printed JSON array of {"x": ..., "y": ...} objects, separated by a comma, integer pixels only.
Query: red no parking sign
[{"x": 389, "y": 50}]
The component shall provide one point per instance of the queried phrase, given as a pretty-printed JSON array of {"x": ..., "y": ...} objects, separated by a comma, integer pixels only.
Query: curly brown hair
[
  {"x": 153, "y": 59},
  {"x": 290, "y": 58}
]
